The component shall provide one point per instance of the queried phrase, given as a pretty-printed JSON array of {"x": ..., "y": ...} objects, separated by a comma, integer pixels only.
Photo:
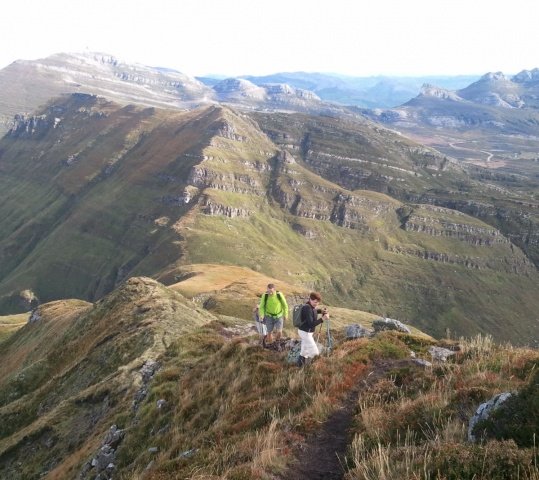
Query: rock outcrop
[
  {"x": 382, "y": 324},
  {"x": 483, "y": 412}
]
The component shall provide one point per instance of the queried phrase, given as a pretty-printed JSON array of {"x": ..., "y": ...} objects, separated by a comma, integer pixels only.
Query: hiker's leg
[
  {"x": 308, "y": 345},
  {"x": 278, "y": 327},
  {"x": 270, "y": 324}
]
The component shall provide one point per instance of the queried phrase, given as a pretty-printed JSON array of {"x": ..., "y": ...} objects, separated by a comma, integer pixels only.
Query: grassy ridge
[{"x": 232, "y": 409}]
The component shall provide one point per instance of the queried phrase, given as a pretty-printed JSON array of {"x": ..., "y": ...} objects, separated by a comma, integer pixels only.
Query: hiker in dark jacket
[{"x": 309, "y": 322}]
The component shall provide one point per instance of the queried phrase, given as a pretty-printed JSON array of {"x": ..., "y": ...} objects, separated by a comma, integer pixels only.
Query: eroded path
[{"x": 322, "y": 456}]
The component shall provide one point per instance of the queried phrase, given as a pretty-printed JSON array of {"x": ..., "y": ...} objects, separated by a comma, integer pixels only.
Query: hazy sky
[{"x": 233, "y": 37}]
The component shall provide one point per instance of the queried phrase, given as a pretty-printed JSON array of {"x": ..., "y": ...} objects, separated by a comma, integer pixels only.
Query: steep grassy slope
[
  {"x": 65, "y": 374},
  {"x": 85, "y": 200},
  {"x": 9, "y": 324},
  {"x": 93, "y": 193},
  {"x": 364, "y": 156}
]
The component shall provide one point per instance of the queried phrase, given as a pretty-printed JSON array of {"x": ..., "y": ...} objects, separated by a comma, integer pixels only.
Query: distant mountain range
[
  {"x": 27, "y": 85},
  {"x": 371, "y": 92},
  {"x": 494, "y": 101}
]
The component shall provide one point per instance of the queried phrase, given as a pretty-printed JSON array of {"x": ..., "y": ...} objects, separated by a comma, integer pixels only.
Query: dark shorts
[{"x": 274, "y": 323}]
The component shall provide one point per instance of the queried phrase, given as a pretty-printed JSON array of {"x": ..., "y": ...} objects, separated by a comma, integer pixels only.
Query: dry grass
[
  {"x": 430, "y": 411},
  {"x": 205, "y": 278}
]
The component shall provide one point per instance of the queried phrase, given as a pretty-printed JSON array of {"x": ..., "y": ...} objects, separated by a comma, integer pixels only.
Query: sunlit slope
[{"x": 430, "y": 265}]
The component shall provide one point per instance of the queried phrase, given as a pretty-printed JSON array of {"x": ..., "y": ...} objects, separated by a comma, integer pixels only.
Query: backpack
[{"x": 296, "y": 315}]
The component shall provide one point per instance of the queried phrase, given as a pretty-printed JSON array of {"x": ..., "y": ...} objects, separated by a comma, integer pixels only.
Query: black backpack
[{"x": 296, "y": 315}]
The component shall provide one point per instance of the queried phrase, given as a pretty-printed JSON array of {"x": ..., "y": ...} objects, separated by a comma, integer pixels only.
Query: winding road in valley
[{"x": 453, "y": 145}]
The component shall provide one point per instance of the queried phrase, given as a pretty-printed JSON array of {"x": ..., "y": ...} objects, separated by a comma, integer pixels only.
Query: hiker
[
  {"x": 273, "y": 310},
  {"x": 309, "y": 322},
  {"x": 259, "y": 324}
]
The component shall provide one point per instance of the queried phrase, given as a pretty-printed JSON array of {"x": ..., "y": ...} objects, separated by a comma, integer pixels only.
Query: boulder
[
  {"x": 113, "y": 437},
  {"x": 440, "y": 354},
  {"x": 34, "y": 316},
  {"x": 294, "y": 347},
  {"x": 382, "y": 324},
  {"x": 357, "y": 331},
  {"x": 484, "y": 410}
]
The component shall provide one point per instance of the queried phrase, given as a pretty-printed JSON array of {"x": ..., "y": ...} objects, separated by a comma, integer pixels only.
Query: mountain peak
[
  {"x": 527, "y": 76},
  {"x": 494, "y": 76},
  {"x": 429, "y": 90}
]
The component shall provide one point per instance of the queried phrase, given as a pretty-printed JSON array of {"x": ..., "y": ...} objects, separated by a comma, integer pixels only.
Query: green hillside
[{"x": 93, "y": 193}]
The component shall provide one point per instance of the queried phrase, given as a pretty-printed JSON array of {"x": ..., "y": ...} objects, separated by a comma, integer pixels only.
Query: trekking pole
[
  {"x": 329, "y": 338},
  {"x": 319, "y": 332}
]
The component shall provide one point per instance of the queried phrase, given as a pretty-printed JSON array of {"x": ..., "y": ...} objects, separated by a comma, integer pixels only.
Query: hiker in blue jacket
[{"x": 309, "y": 322}]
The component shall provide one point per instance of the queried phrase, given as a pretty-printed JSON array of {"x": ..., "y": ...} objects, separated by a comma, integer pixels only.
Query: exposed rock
[
  {"x": 153, "y": 449},
  {"x": 34, "y": 316},
  {"x": 147, "y": 372},
  {"x": 227, "y": 130},
  {"x": 302, "y": 230},
  {"x": 484, "y": 410},
  {"x": 357, "y": 331},
  {"x": 440, "y": 354},
  {"x": 422, "y": 363},
  {"x": 286, "y": 157},
  {"x": 114, "y": 437},
  {"x": 102, "y": 463},
  {"x": 161, "y": 404},
  {"x": 211, "y": 208},
  {"x": 294, "y": 347},
  {"x": 433, "y": 91},
  {"x": 382, "y": 324},
  {"x": 35, "y": 125}
]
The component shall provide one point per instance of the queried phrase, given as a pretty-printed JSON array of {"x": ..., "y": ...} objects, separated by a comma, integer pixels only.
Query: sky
[{"x": 239, "y": 37}]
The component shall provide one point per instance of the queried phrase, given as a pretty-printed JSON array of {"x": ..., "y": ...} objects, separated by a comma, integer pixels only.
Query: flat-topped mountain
[
  {"x": 27, "y": 85},
  {"x": 93, "y": 192}
]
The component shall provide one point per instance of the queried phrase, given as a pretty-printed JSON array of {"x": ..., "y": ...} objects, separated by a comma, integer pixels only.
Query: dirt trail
[{"x": 322, "y": 456}]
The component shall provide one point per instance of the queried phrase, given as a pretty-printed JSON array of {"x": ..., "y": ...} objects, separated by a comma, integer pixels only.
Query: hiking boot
[
  {"x": 301, "y": 361},
  {"x": 264, "y": 344}
]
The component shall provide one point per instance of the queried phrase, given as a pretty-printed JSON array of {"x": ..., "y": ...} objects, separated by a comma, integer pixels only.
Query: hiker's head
[
  {"x": 315, "y": 298},
  {"x": 271, "y": 288}
]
